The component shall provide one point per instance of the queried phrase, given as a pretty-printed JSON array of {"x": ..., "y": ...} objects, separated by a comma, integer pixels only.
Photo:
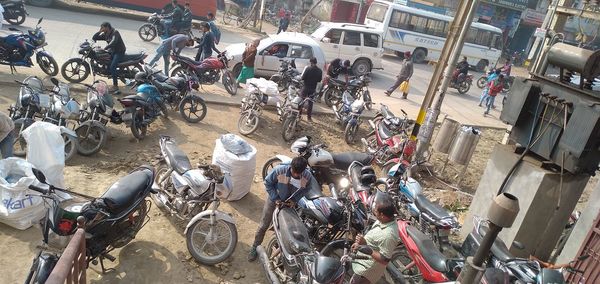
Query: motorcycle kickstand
[{"x": 110, "y": 258}]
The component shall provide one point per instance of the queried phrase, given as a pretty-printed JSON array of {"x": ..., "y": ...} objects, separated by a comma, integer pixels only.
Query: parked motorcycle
[
  {"x": 332, "y": 91},
  {"x": 327, "y": 168},
  {"x": 156, "y": 26},
  {"x": 194, "y": 195},
  {"x": 14, "y": 11},
  {"x": 207, "y": 72},
  {"x": 96, "y": 60},
  {"x": 349, "y": 114},
  {"x": 285, "y": 75},
  {"x": 141, "y": 109},
  {"x": 17, "y": 49},
  {"x": 111, "y": 221},
  {"x": 251, "y": 109},
  {"x": 289, "y": 113},
  {"x": 176, "y": 92},
  {"x": 388, "y": 138},
  {"x": 92, "y": 132},
  {"x": 462, "y": 83},
  {"x": 358, "y": 87}
]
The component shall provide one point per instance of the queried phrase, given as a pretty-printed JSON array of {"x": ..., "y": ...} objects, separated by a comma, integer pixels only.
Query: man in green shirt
[{"x": 382, "y": 239}]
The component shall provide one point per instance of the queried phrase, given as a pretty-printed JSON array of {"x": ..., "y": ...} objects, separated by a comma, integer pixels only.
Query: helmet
[
  {"x": 300, "y": 145},
  {"x": 346, "y": 63}
]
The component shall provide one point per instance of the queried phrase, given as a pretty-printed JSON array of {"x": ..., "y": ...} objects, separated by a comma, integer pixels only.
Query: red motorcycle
[
  {"x": 207, "y": 72},
  {"x": 461, "y": 82}
]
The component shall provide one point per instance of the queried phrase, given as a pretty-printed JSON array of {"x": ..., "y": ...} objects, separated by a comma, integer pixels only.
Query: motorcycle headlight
[{"x": 344, "y": 182}]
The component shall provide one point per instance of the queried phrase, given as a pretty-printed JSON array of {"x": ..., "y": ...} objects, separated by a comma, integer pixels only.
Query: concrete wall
[
  {"x": 540, "y": 221},
  {"x": 582, "y": 228}
]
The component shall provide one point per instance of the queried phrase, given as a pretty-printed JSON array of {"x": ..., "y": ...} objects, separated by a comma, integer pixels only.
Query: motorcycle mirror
[
  {"x": 39, "y": 175},
  {"x": 40, "y": 21},
  {"x": 518, "y": 245},
  {"x": 14, "y": 29},
  {"x": 54, "y": 81},
  {"x": 583, "y": 257}
]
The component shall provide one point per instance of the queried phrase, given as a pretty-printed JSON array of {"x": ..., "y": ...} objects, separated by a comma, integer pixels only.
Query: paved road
[{"x": 67, "y": 29}]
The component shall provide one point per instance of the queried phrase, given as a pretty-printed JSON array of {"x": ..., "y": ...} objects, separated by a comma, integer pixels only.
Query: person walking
[
  {"x": 248, "y": 58},
  {"x": 115, "y": 46},
  {"x": 486, "y": 89},
  {"x": 7, "y": 136},
  {"x": 284, "y": 22},
  {"x": 285, "y": 181},
  {"x": 406, "y": 71},
  {"x": 175, "y": 43},
  {"x": 311, "y": 76},
  {"x": 495, "y": 87},
  {"x": 213, "y": 27},
  {"x": 206, "y": 44}
]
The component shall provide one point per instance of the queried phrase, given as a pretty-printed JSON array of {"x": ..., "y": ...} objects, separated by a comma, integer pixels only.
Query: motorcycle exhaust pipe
[
  {"x": 369, "y": 149},
  {"x": 264, "y": 260}
]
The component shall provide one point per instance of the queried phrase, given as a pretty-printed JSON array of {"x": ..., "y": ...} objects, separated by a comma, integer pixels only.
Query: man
[
  {"x": 283, "y": 182},
  {"x": 175, "y": 43},
  {"x": 506, "y": 68},
  {"x": 176, "y": 16},
  {"x": 462, "y": 68},
  {"x": 187, "y": 17},
  {"x": 169, "y": 7},
  {"x": 486, "y": 89},
  {"x": 311, "y": 76},
  {"x": 406, "y": 71},
  {"x": 495, "y": 87},
  {"x": 284, "y": 22},
  {"x": 335, "y": 69},
  {"x": 206, "y": 44},
  {"x": 7, "y": 137},
  {"x": 381, "y": 240},
  {"x": 115, "y": 46},
  {"x": 213, "y": 27}
]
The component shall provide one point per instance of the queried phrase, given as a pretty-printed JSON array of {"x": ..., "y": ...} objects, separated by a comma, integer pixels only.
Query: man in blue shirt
[
  {"x": 206, "y": 43},
  {"x": 284, "y": 181}
]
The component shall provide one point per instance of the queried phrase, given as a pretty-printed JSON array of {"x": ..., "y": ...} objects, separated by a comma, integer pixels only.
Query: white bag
[
  {"x": 240, "y": 166},
  {"x": 268, "y": 87},
  {"x": 18, "y": 209},
  {"x": 46, "y": 151}
]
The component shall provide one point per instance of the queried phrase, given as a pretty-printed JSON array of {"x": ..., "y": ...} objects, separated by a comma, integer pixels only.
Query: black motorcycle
[
  {"x": 358, "y": 87},
  {"x": 286, "y": 74},
  {"x": 111, "y": 221},
  {"x": 14, "y": 11},
  {"x": 156, "y": 26},
  {"x": 97, "y": 61}
]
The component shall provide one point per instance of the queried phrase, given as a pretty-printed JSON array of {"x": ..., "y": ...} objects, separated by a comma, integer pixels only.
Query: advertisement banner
[{"x": 511, "y": 4}]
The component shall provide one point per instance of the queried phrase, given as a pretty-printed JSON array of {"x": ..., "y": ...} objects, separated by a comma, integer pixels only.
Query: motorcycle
[
  {"x": 349, "y": 114},
  {"x": 33, "y": 102},
  {"x": 156, "y": 26},
  {"x": 461, "y": 82},
  {"x": 96, "y": 61},
  {"x": 14, "y": 11},
  {"x": 111, "y": 221},
  {"x": 482, "y": 81},
  {"x": 388, "y": 139},
  {"x": 285, "y": 75},
  {"x": 92, "y": 131},
  {"x": 206, "y": 72},
  {"x": 413, "y": 205},
  {"x": 358, "y": 87},
  {"x": 194, "y": 195},
  {"x": 327, "y": 168},
  {"x": 17, "y": 49},
  {"x": 289, "y": 113},
  {"x": 141, "y": 109},
  {"x": 251, "y": 109},
  {"x": 176, "y": 91}
]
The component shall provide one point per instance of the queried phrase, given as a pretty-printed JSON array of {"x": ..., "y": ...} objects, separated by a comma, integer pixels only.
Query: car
[
  {"x": 273, "y": 48},
  {"x": 362, "y": 45}
]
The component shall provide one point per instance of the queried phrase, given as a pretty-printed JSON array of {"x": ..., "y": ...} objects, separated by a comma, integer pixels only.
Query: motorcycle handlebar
[{"x": 38, "y": 189}]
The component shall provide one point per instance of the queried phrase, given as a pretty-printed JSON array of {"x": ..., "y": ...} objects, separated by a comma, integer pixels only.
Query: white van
[{"x": 362, "y": 45}]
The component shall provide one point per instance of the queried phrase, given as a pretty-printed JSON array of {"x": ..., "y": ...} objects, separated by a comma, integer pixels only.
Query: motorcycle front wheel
[
  {"x": 248, "y": 123},
  {"x": 269, "y": 166},
  {"x": 91, "y": 139},
  {"x": 211, "y": 244},
  {"x": 289, "y": 128},
  {"x": 229, "y": 83},
  {"x": 47, "y": 64},
  {"x": 192, "y": 108},
  {"x": 19, "y": 19},
  {"x": 147, "y": 32},
  {"x": 350, "y": 133},
  {"x": 75, "y": 70},
  {"x": 331, "y": 98}
]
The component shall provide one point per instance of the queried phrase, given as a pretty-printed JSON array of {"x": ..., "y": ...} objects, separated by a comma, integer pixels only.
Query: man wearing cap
[{"x": 406, "y": 71}]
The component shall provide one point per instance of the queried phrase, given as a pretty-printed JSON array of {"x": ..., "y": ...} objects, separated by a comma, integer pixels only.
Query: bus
[{"x": 424, "y": 34}]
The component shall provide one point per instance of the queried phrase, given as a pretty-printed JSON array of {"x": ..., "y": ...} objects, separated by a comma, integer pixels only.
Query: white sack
[
  {"x": 240, "y": 165},
  {"x": 46, "y": 151},
  {"x": 268, "y": 87},
  {"x": 19, "y": 210}
]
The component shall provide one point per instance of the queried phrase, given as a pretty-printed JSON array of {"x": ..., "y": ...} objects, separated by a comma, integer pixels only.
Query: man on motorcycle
[
  {"x": 175, "y": 44},
  {"x": 311, "y": 76},
  {"x": 461, "y": 68},
  {"x": 206, "y": 44},
  {"x": 285, "y": 181},
  {"x": 507, "y": 68},
  {"x": 187, "y": 17},
  {"x": 175, "y": 14},
  {"x": 115, "y": 46},
  {"x": 406, "y": 71},
  {"x": 381, "y": 241}
]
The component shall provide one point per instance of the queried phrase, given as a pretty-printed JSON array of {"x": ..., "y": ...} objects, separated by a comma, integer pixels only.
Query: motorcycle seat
[
  {"x": 126, "y": 190},
  {"x": 294, "y": 235},
  {"x": 129, "y": 59},
  {"x": 134, "y": 97},
  {"x": 343, "y": 160},
  {"x": 179, "y": 160},
  {"x": 314, "y": 190},
  {"x": 337, "y": 82},
  {"x": 499, "y": 248},
  {"x": 384, "y": 131},
  {"x": 434, "y": 210},
  {"x": 428, "y": 250}
]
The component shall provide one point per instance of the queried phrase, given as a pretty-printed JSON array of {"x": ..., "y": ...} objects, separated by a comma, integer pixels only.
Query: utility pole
[{"x": 442, "y": 76}]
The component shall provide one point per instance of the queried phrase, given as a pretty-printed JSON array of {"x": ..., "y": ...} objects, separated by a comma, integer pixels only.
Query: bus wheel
[
  {"x": 481, "y": 65},
  {"x": 419, "y": 55}
]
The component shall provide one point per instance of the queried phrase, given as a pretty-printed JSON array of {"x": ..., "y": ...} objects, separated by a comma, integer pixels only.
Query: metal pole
[
  {"x": 262, "y": 10},
  {"x": 465, "y": 24},
  {"x": 549, "y": 24}
]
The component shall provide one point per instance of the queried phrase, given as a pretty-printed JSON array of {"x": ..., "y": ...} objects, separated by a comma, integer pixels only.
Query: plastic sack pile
[
  {"x": 238, "y": 158},
  {"x": 46, "y": 150},
  {"x": 266, "y": 86}
]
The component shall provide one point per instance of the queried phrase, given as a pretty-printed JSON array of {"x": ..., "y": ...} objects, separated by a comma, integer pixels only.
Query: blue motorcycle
[
  {"x": 348, "y": 113},
  {"x": 18, "y": 48}
]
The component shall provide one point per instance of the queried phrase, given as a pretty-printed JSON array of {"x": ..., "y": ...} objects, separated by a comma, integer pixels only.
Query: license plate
[{"x": 127, "y": 116}]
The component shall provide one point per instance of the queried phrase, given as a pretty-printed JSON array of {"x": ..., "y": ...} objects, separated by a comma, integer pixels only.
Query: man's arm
[
  {"x": 115, "y": 39},
  {"x": 99, "y": 36},
  {"x": 271, "y": 185},
  {"x": 410, "y": 70}
]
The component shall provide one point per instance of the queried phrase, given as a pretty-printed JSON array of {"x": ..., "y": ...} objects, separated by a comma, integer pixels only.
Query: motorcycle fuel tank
[
  {"x": 197, "y": 181},
  {"x": 411, "y": 188},
  {"x": 320, "y": 158}
]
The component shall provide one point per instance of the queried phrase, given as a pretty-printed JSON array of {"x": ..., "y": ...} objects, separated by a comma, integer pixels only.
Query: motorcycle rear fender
[
  {"x": 43, "y": 52},
  {"x": 219, "y": 215},
  {"x": 284, "y": 159},
  {"x": 92, "y": 123},
  {"x": 67, "y": 131},
  {"x": 275, "y": 78}
]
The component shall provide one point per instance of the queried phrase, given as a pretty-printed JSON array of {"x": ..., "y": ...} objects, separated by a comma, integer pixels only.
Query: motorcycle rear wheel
[
  {"x": 269, "y": 166},
  {"x": 395, "y": 271},
  {"x": 464, "y": 87},
  {"x": 72, "y": 71},
  {"x": 248, "y": 123},
  {"x": 71, "y": 146},
  {"x": 147, "y": 32},
  {"x": 330, "y": 98},
  {"x": 179, "y": 71},
  {"x": 481, "y": 82},
  {"x": 137, "y": 129},
  {"x": 20, "y": 18},
  {"x": 350, "y": 133},
  {"x": 288, "y": 130},
  {"x": 192, "y": 108},
  {"x": 47, "y": 64},
  {"x": 229, "y": 83},
  {"x": 203, "y": 228},
  {"x": 91, "y": 139}
]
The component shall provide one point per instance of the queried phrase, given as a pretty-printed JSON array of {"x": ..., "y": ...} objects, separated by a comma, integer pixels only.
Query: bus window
[
  {"x": 483, "y": 37},
  {"x": 334, "y": 36},
  {"x": 436, "y": 27},
  {"x": 471, "y": 36},
  {"x": 351, "y": 38},
  {"x": 377, "y": 12},
  {"x": 371, "y": 40},
  {"x": 418, "y": 24},
  {"x": 399, "y": 20},
  {"x": 497, "y": 41}
]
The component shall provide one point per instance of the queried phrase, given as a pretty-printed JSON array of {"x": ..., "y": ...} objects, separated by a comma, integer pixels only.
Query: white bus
[{"x": 424, "y": 34}]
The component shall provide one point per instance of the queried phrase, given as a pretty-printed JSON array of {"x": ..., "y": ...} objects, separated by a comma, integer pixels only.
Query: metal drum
[
  {"x": 464, "y": 145},
  {"x": 445, "y": 135}
]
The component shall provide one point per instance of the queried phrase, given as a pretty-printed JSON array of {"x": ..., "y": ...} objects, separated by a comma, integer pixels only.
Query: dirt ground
[{"x": 159, "y": 253}]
